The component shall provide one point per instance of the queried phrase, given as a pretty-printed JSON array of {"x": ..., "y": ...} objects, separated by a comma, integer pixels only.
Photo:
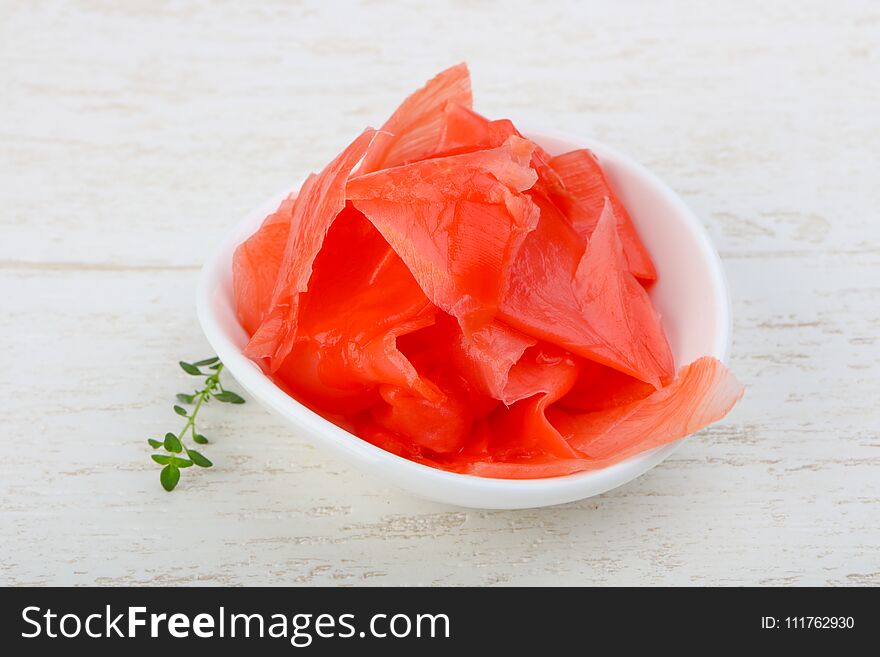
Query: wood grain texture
[{"x": 133, "y": 134}]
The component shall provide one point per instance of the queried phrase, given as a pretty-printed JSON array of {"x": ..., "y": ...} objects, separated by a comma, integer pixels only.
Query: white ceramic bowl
[{"x": 690, "y": 293}]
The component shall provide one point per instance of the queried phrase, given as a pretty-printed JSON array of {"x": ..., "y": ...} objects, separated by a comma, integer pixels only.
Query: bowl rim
[{"x": 441, "y": 485}]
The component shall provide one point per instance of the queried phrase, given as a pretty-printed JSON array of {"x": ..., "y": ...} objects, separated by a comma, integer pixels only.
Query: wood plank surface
[{"x": 133, "y": 134}]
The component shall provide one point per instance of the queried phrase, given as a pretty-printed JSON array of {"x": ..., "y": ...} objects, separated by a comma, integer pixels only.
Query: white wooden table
[{"x": 133, "y": 135}]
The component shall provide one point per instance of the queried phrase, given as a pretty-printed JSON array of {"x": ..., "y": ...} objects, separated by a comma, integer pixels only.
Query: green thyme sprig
[{"x": 177, "y": 455}]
